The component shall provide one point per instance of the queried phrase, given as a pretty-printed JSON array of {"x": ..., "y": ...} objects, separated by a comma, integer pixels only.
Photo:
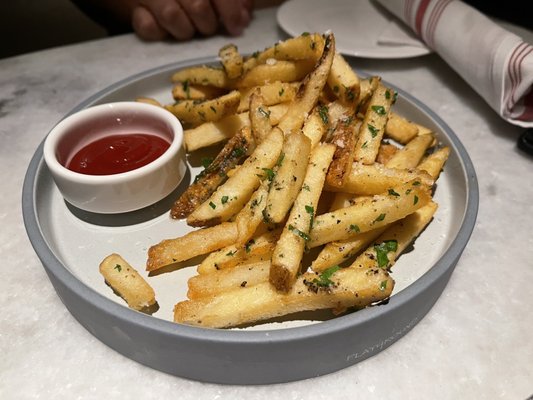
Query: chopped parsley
[
  {"x": 213, "y": 109},
  {"x": 280, "y": 159},
  {"x": 306, "y": 187},
  {"x": 238, "y": 152},
  {"x": 387, "y": 94},
  {"x": 186, "y": 88},
  {"x": 382, "y": 249},
  {"x": 212, "y": 205},
  {"x": 393, "y": 193},
  {"x": 379, "y": 110},
  {"x": 415, "y": 200},
  {"x": 305, "y": 34},
  {"x": 281, "y": 91},
  {"x": 269, "y": 173},
  {"x": 373, "y": 130},
  {"x": 383, "y": 284},
  {"x": 311, "y": 211},
  {"x": 264, "y": 113},
  {"x": 224, "y": 199},
  {"x": 323, "y": 112},
  {"x": 324, "y": 279},
  {"x": 298, "y": 232},
  {"x": 381, "y": 217},
  {"x": 248, "y": 245},
  {"x": 206, "y": 161},
  {"x": 354, "y": 228},
  {"x": 118, "y": 267},
  {"x": 231, "y": 253}
]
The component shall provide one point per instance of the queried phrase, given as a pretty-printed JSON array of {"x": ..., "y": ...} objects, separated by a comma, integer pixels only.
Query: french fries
[{"x": 312, "y": 157}]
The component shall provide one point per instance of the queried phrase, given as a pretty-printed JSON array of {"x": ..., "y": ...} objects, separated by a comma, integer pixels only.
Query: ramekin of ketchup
[{"x": 116, "y": 157}]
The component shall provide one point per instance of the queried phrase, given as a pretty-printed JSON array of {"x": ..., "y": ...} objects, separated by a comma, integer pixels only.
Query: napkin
[{"x": 497, "y": 63}]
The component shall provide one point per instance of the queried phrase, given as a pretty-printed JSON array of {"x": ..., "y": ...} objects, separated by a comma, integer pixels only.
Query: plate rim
[
  {"x": 103, "y": 304},
  {"x": 414, "y": 51}
]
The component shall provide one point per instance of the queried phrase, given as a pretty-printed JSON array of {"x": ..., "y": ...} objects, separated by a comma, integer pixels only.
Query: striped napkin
[{"x": 497, "y": 63}]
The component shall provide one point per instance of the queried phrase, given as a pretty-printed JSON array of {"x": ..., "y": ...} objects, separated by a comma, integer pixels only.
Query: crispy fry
[
  {"x": 289, "y": 250},
  {"x": 249, "y": 218},
  {"x": 186, "y": 91},
  {"x": 194, "y": 112},
  {"x": 412, "y": 153},
  {"x": 309, "y": 92},
  {"x": 231, "y": 61},
  {"x": 400, "y": 129},
  {"x": 434, "y": 163},
  {"x": 375, "y": 179},
  {"x": 205, "y": 183},
  {"x": 284, "y": 71},
  {"x": 272, "y": 93},
  {"x": 347, "y": 287},
  {"x": 343, "y": 81},
  {"x": 236, "y": 191},
  {"x": 288, "y": 177},
  {"x": 366, "y": 215},
  {"x": 371, "y": 133},
  {"x": 211, "y": 133},
  {"x": 259, "y": 117},
  {"x": 385, "y": 153},
  {"x": 203, "y": 75},
  {"x": 127, "y": 282}
]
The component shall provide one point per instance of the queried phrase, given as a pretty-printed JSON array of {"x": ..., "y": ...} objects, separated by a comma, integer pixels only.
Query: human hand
[{"x": 181, "y": 19}]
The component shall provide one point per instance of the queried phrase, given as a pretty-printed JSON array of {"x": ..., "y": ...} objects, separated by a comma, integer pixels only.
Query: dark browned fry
[{"x": 235, "y": 150}]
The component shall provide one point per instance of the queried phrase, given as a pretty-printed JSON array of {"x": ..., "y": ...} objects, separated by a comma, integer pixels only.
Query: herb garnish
[
  {"x": 323, "y": 112},
  {"x": 393, "y": 193},
  {"x": 324, "y": 278},
  {"x": 298, "y": 232},
  {"x": 381, "y": 217},
  {"x": 373, "y": 130},
  {"x": 382, "y": 249},
  {"x": 379, "y": 110},
  {"x": 212, "y": 205},
  {"x": 118, "y": 267},
  {"x": 224, "y": 199}
]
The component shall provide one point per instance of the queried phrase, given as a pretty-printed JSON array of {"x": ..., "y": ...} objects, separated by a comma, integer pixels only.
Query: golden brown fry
[
  {"x": 193, "y": 112},
  {"x": 367, "y": 87},
  {"x": 375, "y": 179},
  {"x": 259, "y": 117},
  {"x": 366, "y": 215},
  {"x": 346, "y": 287},
  {"x": 149, "y": 100},
  {"x": 385, "y": 153},
  {"x": 251, "y": 215},
  {"x": 127, "y": 282},
  {"x": 344, "y": 138},
  {"x": 289, "y": 250},
  {"x": 231, "y": 196},
  {"x": 284, "y": 71},
  {"x": 314, "y": 126},
  {"x": 309, "y": 92},
  {"x": 211, "y": 133},
  {"x": 231, "y": 61},
  {"x": 400, "y": 129},
  {"x": 203, "y": 75},
  {"x": 304, "y": 47},
  {"x": 288, "y": 178},
  {"x": 434, "y": 163},
  {"x": 272, "y": 93},
  {"x": 259, "y": 247},
  {"x": 236, "y": 277},
  {"x": 411, "y": 154},
  {"x": 186, "y": 91},
  {"x": 343, "y": 81},
  {"x": 205, "y": 183},
  {"x": 371, "y": 132}
]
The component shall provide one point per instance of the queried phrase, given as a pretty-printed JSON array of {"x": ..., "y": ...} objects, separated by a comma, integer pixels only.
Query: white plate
[{"x": 361, "y": 27}]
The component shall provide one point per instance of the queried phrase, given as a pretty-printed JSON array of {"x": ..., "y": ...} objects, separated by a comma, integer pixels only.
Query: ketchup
[{"x": 115, "y": 154}]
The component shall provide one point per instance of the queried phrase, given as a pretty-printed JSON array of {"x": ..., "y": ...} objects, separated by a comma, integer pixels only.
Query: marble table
[{"x": 474, "y": 343}]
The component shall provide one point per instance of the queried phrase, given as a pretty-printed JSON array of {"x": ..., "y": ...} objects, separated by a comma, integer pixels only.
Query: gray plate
[{"x": 71, "y": 243}]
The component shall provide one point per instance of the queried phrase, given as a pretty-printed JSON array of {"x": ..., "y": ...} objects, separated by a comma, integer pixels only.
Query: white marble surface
[{"x": 474, "y": 343}]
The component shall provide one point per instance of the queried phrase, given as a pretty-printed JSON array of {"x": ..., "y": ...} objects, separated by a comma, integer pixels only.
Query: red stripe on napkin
[
  {"x": 527, "y": 114},
  {"x": 434, "y": 20},
  {"x": 422, "y": 8},
  {"x": 513, "y": 69}
]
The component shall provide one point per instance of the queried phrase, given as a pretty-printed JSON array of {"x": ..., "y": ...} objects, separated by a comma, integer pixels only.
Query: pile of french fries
[{"x": 313, "y": 161}]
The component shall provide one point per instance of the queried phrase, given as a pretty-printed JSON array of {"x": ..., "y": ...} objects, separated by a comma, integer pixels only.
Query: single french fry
[
  {"x": 186, "y": 91},
  {"x": 272, "y": 93},
  {"x": 127, "y": 282},
  {"x": 203, "y": 75},
  {"x": 288, "y": 178},
  {"x": 236, "y": 277},
  {"x": 314, "y": 127},
  {"x": 211, "y": 133},
  {"x": 343, "y": 81},
  {"x": 231, "y": 61},
  {"x": 411, "y": 154},
  {"x": 259, "y": 117},
  {"x": 367, "y": 87},
  {"x": 284, "y": 71},
  {"x": 289, "y": 250},
  {"x": 304, "y": 47},
  {"x": 309, "y": 92},
  {"x": 207, "y": 181},
  {"x": 369, "y": 214},
  {"x": 194, "y": 243},
  {"x": 251, "y": 215},
  {"x": 371, "y": 132},
  {"x": 400, "y": 128},
  {"x": 195, "y": 112},
  {"x": 343, "y": 288},
  {"x": 344, "y": 138},
  {"x": 395, "y": 239},
  {"x": 231, "y": 196},
  {"x": 434, "y": 163},
  {"x": 336, "y": 253},
  {"x": 375, "y": 179},
  {"x": 229, "y": 256}
]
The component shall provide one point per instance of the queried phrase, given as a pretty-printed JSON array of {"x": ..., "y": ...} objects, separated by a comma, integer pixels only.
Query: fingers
[
  {"x": 171, "y": 17},
  {"x": 201, "y": 14},
  {"x": 145, "y": 25},
  {"x": 235, "y": 15}
]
